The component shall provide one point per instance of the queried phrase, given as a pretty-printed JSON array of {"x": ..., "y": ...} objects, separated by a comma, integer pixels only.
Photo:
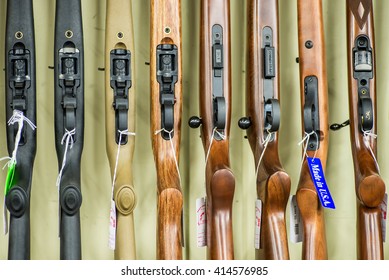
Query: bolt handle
[
  {"x": 244, "y": 123},
  {"x": 194, "y": 122}
]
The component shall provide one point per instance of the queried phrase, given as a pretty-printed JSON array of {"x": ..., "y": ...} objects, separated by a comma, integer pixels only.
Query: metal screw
[
  {"x": 120, "y": 35},
  {"x": 19, "y": 35},
  {"x": 361, "y": 42},
  {"x": 309, "y": 44},
  {"x": 69, "y": 34},
  {"x": 167, "y": 30}
]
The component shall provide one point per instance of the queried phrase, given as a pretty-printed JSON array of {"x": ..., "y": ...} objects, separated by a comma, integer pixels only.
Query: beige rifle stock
[{"x": 119, "y": 35}]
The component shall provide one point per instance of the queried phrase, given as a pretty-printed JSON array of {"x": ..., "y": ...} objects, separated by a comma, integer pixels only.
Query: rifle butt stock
[
  {"x": 220, "y": 192},
  {"x": 215, "y": 112},
  {"x": 69, "y": 118},
  {"x": 120, "y": 113},
  {"x": 263, "y": 121},
  {"x": 274, "y": 196},
  {"x": 19, "y": 237},
  {"x": 165, "y": 128},
  {"x": 314, "y": 105},
  {"x": 125, "y": 228},
  {"x": 369, "y": 233},
  {"x": 70, "y": 233},
  {"x": 369, "y": 186},
  {"x": 312, "y": 214},
  {"x": 125, "y": 200},
  {"x": 169, "y": 239},
  {"x": 20, "y": 77}
]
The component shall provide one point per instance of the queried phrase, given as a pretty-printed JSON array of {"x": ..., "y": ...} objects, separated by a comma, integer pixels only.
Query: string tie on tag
[
  {"x": 305, "y": 142},
  {"x": 68, "y": 139},
  {"x": 112, "y": 212},
  {"x": 121, "y": 133},
  {"x": 221, "y": 135},
  {"x": 19, "y": 118},
  {"x": 265, "y": 142},
  {"x": 172, "y": 147},
  {"x": 367, "y": 134}
]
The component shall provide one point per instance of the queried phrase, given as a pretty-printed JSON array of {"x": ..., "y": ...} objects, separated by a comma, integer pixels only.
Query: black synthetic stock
[
  {"x": 20, "y": 34},
  {"x": 69, "y": 35}
]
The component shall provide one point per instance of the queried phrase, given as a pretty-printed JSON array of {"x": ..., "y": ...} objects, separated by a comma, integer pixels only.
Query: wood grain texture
[
  {"x": 166, "y": 14},
  {"x": 273, "y": 183},
  {"x": 220, "y": 182},
  {"x": 369, "y": 186},
  {"x": 119, "y": 19},
  {"x": 313, "y": 63}
]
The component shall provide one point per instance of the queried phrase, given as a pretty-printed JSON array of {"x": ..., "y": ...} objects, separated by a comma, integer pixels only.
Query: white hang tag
[
  {"x": 258, "y": 223},
  {"x": 201, "y": 218},
  {"x": 296, "y": 226},
  {"x": 112, "y": 226},
  {"x": 384, "y": 211},
  {"x": 5, "y": 218}
]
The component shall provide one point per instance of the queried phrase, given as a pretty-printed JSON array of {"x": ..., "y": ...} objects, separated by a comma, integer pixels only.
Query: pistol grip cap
[
  {"x": 17, "y": 201},
  {"x": 71, "y": 199}
]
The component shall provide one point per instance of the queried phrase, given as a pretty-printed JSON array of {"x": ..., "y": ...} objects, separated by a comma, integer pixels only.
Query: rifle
[
  {"x": 314, "y": 103},
  {"x": 215, "y": 112},
  {"x": 166, "y": 109},
  {"x": 120, "y": 123},
  {"x": 262, "y": 124},
  {"x": 20, "y": 108},
  {"x": 69, "y": 121},
  {"x": 369, "y": 187}
]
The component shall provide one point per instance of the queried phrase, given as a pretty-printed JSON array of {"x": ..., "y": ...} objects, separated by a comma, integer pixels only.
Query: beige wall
[{"x": 96, "y": 181}]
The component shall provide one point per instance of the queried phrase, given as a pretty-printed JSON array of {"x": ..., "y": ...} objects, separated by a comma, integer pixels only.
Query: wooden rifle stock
[
  {"x": 166, "y": 108},
  {"x": 314, "y": 101},
  {"x": 369, "y": 186},
  {"x": 20, "y": 80},
  {"x": 120, "y": 119},
  {"x": 263, "y": 111},
  {"x": 215, "y": 112},
  {"x": 69, "y": 121}
]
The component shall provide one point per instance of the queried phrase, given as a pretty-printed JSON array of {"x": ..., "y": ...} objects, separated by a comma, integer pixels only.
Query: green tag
[{"x": 10, "y": 178}]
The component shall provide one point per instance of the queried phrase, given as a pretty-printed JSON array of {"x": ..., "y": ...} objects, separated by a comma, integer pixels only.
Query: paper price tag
[
  {"x": 319, "y": 180},
  {"x": 384, "y": 211},
  {"x": 112, "y": 226},
  {"x": 258, "y": 222},
  {"x": 201, "y": 218},
  {"x": 10, "y": 178},
  {"x": 296, "y": 226}
]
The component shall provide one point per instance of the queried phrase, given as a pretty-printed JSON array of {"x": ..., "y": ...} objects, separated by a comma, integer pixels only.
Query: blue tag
[{"x": 317, "y": 175}]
